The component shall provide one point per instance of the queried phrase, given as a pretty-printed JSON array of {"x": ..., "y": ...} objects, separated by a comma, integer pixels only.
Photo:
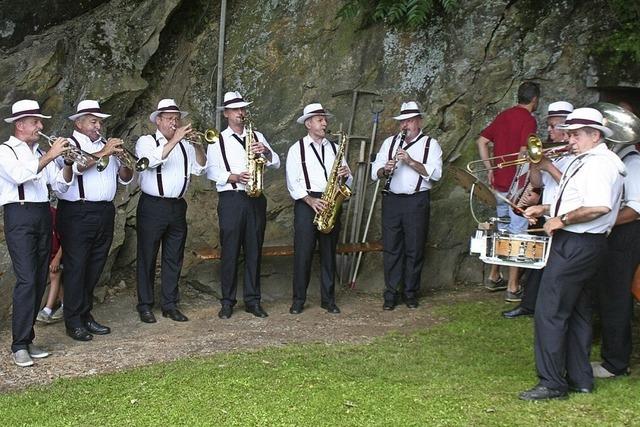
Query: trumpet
[
  {"x": 128, "y": 159},
  {"x": 534, "y": 154},
  {"x": 209, "y": 136},
  {"x": 79, "y": 156}
]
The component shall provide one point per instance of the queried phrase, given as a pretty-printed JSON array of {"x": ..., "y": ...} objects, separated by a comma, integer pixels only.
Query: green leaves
[{"x": 398, "y": 13}]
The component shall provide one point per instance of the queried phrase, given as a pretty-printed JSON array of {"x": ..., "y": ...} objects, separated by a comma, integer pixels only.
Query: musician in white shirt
[
  {"x": 309, "y": 165},
  {"x": 161, "y": 213},
  {"x": 25, "y": 173},
  {"x": 86, "y": 216},
  {"x": 411, "y": 163},
  {"x": 242, "y": 218},
  {"x": 583, "y": 211}
]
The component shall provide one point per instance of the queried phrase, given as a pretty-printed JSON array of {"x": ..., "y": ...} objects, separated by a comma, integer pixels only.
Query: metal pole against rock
[
  {"x": 221, "y": 37},
  {"x": 376, "y": 108}
]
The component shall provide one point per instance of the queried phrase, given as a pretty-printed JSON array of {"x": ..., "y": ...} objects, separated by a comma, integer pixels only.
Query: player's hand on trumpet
[{"x": 59, "y": 147}]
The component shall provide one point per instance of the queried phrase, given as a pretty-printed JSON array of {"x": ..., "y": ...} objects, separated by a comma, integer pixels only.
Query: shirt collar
[
  {"x": 15, "y": 142},
  {"x": 160, "y": 137},
  {"x": 310, "y": 142}
]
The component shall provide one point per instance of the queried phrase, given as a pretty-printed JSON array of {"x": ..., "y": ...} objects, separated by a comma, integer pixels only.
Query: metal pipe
[{"x": 221, "y": 37}]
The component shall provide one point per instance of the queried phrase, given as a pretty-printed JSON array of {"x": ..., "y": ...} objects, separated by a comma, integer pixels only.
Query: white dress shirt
[
  {"x": 20, "y": 166},
  {"x": 236, "y": 156},
  {"x": 549, "y": 184},
  {"x": 317, "y": 165},
  {"x": 98, "y": 186},
  {"x": 173, "y": 176},
  {"x": 631, "y": 193},
  {"x": 597, "y": 182},
  {"x": 405, "y": 178}
]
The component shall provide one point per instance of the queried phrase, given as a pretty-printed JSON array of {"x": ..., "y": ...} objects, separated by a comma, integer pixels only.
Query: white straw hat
[
  {"x": 86, "y": 107},
  {"x": 167, "y": 106},
  {"x": 559, "y": 109},
  {"x": 233, "y": 100},
  {"x": 311, "y": 110},
  {"x": 25, "y": 108},
  {"x": 408, "y": 110},
  {"x": 586, "y": 117}
]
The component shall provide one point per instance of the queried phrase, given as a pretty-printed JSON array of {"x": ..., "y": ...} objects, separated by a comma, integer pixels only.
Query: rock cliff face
[{"x": 282, "y": 54}]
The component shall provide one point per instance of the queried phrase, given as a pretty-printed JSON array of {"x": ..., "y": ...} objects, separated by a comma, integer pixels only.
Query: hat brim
[
  {"x": 153, "y": 116},
  {"x": 303, "y": 118},
  {"x": 234, "y": 105},
  {"x": 99, "y": 115},
  {"x": 22, "y": 116},
  {"x": 605, "y": 130},
  {"x": 407, "y": 116}
]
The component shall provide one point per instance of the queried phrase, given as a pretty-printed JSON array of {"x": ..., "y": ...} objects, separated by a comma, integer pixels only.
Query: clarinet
[{"x": 387, "y": 184}]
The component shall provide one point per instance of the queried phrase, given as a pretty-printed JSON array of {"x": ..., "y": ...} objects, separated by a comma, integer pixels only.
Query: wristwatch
[{"x": 565, "y": 219}]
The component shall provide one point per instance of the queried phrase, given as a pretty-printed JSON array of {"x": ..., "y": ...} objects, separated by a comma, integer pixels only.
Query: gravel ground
[{"x": 133, "y": 343}]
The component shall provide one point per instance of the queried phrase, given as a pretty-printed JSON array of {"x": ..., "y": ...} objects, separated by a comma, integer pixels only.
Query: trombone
[
  {"x": 128, "y": 159},
  {"x": 79, "y": 156},
  {"x": 534, "y": 154}
]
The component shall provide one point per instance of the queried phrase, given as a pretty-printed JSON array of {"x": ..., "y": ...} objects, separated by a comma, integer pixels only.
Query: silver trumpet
[
  {"x": 79, "y": 156},
  {"x": 128, "y": 159}
]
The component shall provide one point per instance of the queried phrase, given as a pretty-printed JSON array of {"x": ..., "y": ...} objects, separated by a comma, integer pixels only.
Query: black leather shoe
[
  {"x": 330, "y": 307},
  {"x": 517, "y": 312},
  {"x": 542, "y": 393},
  {"x": 225, "y": 312},
  {"x": 174, "y": 314},
  {"x": 79, "y": 334},
  {"x": 256, "y": 310},
  {"x": 388, "y": 305},
  {"x": 96, "y": 328},
  {"x": 412, "y": 303},
  {"x": 147, "y": 316},
  {"x": 296, "y": 308}
]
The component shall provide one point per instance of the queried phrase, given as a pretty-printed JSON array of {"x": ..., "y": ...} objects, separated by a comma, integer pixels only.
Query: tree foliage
[
  {"x": 398, "y": 13},
  {"x": 623, "y": 44}
]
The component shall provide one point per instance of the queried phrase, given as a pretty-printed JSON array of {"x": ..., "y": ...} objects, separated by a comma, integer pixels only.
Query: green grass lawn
[{"x": 467, "y": 370}]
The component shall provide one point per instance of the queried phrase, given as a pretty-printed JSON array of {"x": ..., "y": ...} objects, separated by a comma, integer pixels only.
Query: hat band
[
  {"x": 409, "y": 112},
  {"x": 170, "y": 108},
  {"x": 89, "y": 110},
  {"x": 320, "y": 111},
  {"x": 23, "y": 112},
  {"x": 582, "y": 122},
  {"x": 232, "y": 101},
  {"x": 555, "y": 112}
]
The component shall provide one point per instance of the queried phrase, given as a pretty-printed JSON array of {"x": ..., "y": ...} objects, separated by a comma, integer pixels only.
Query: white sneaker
[
  {"x": 22, "y": 358},
  {"x": 600, "y": 371},
  {"x": 57, "y": 315},
  {"x": 36, "y": 352},
  {"x": 43, "y": 317}
]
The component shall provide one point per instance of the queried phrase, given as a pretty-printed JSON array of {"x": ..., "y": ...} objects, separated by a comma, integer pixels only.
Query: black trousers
[
  {"x": 160, "y": 221},
  {"x": 27, "y": 231},
  {"x": 86, "y": 234},
  {"x": 563, "y": 310},
  {"x": 405, "y": 226},
  {"x": 531, "y": 288},
  {"x": 614, "y": 299},
  {"x": 304, "y": 242},
  {"x": 242, "y": 222}
]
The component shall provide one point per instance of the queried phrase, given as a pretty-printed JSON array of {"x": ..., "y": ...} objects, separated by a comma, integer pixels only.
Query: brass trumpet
[
  {"x": 128, "y": 159},
  {"x": 534, "y": 154},
  {"x": 79, "y": 156},
  {"x": 209, "y": 136}
]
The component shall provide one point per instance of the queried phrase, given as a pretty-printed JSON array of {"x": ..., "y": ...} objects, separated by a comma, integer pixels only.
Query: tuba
[
  {"x": 335, "y": 193},
  {"x": 255, "y": 164}
]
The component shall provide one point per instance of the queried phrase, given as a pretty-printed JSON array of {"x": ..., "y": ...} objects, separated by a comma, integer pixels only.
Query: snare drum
[{"x": 519, "y": 247}]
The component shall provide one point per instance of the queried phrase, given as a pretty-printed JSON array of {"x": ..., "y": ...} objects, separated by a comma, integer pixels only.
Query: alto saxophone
[
  {"x": 334, "y": 194},
  {"x": 255, "y": 165}
]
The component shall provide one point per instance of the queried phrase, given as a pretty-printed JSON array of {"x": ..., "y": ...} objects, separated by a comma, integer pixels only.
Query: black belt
[
  {"x": 83, "y": 202},
  {"x": 28, "y": 204},
  {"x": 405, "y": 195},
  {"x": 168, "y": 199},
  {"x": 317, "y": 194}
]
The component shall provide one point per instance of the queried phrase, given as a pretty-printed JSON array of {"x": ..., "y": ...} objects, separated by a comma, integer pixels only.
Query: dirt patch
[{"x": 133, "y": 343}]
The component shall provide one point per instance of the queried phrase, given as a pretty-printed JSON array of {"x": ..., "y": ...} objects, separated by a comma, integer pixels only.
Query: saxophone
[
  {"x": 335, "y": 193},
  {"x": 255, "y": 165}
]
